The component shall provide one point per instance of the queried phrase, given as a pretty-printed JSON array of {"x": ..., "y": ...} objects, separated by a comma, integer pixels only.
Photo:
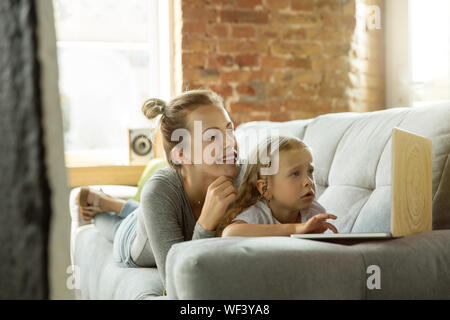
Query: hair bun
[{"x": 154, "y": 107}]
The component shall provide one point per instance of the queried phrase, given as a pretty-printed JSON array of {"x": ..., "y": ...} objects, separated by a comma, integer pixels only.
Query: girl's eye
[
  {"x": 311, "y": 171},
  {"x": 295, "y": 174}
]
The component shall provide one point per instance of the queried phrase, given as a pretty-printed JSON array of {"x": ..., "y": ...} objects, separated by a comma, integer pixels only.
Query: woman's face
[{"x": 214, "y": 149}]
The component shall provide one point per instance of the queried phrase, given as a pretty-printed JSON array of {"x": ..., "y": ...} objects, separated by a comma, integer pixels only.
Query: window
[
  {"x": 112, "y": 56},
  {"x": 430, "y": 50}
]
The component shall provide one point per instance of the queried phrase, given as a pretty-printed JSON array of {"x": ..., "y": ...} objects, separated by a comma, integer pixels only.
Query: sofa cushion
[
  {"x": 102, "y": 278},
  {"x": 412, "y": 267}
]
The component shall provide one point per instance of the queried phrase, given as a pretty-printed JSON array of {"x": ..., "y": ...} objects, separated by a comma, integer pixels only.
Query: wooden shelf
[{"x": 105, "y": 174}]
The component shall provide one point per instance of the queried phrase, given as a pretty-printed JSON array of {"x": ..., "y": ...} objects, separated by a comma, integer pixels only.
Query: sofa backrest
[{"x": 352, "y": 156}]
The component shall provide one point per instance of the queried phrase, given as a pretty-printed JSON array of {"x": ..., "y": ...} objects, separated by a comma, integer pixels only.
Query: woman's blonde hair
[
  {"x": 248, "y": 193},
  {"x": 174, "y": 114}
]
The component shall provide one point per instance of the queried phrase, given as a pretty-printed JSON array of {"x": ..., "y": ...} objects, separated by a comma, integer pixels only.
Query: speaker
[{"x": 140, "y": 142}]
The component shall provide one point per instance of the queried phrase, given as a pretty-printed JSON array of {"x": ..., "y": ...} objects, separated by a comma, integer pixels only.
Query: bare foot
[
  {"x": 93, "y": 204},
  {"x": 97, "y": 201}
]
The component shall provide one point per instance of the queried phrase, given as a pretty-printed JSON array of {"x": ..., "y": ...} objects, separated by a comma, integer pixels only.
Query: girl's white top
[{"x": 260, "y": 213}]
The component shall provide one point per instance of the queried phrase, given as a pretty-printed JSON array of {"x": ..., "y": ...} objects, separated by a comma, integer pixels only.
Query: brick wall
[{"x": 282, "y": 59}]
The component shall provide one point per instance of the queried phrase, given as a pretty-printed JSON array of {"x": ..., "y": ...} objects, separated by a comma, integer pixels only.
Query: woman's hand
[
  {"x": 317, "y": 224},
  {"x": 220, "y": 194}
]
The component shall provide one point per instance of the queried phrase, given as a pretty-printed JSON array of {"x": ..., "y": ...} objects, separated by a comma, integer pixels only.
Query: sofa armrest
[
  {"x": 119, "y": 191},
  {"x": 264, "y": 268},
  {"x": 413, "y": 267}
]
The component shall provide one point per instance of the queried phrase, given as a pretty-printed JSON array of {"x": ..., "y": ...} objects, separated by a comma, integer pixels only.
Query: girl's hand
[
  {"x": 317, "y": 224},
  {"x": 221, "y": 193}
]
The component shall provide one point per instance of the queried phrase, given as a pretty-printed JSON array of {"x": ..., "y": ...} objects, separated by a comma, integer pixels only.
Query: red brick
[
  {"x": 278, "y": 89},
  {"x": 280, "y": 116},
  {"x": 300, "y": 19},
  {"x": 305, "y": 104},
  {"x": 199, "y": 14},
  {"x": 295, "y": 48},
  {"x": 224, "y": 3},
  {"x": 217, "y": 61},
  {"x": 244, "y": 76},
  {"x": 235, "y": 76},
  {"x": 308, "y": 77},
  {"x": 218, "y": 30},
  {"x": 242, "y": 106},
  {"x": 245, "y": 89},
  {"x": 192, "y": 3},
  {"x": 190, "y": 74},
  {"x": 241, "y": 16},
  {"x": 326, "y": 35},
  {"x": 224, "y": 90},
  {"x": 335, "y": 49},
  {"x": 193, "y": 59},
  {"x": 302, "y": 63},
  {"x": 198, "y": 28},
  {"x": 283, "y": 76},
  {"x": 270, "y": 62},
  {"x": 195, "y": 44},
  {"x": 294, "y": 34},
  {"x": 277, "y": 4},
  {"x": 248, "y": 3},
  {"x": 303, "y": 90},
  {"x": 236, "y": 46},
  {"x": 243, "y": 32},
  {"x": 347, "y": 21},
  {"x": 331, "y": 92},
  {"x": 331, "y": 21},
  {"x": 208, "y": 75},
  {"x": 328, "y": 5},
  {"x": 246, "y": 60},
  {"x": 269, "y": 32},
  {"x": 302, "y": 5},
  {"x": 260, "y": 76}
]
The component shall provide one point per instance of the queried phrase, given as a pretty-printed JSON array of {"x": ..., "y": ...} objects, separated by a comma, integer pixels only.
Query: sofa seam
[
  {"x": 384, "y": 148},
  {"x": 440, "y": 178},
  {"x": 337, "y": 145},
  {"x": 363, "y": 272}
]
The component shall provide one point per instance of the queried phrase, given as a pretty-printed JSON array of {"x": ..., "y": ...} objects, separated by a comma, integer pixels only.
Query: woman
[{"x": 184, "y": 201}]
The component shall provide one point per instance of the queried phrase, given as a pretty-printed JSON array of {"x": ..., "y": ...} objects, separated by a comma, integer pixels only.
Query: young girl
[{"x": 278, "y": 204}]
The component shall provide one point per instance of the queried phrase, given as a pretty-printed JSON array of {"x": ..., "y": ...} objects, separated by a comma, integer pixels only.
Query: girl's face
[
  {"x": 293, "y": 186},
  {"x": 216, "y": 153}
]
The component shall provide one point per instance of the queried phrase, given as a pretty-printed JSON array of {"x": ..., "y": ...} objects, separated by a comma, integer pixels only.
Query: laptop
[{"x": 411, "y": 211}]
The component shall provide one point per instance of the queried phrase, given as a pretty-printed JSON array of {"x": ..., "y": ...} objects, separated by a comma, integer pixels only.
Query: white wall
[{"x": 398, "y": 61}]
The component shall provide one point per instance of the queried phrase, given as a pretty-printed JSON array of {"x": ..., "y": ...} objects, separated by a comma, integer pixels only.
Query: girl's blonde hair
[
  {"x": 174, "y": 114},
  {"x": 248, "y": 193}
]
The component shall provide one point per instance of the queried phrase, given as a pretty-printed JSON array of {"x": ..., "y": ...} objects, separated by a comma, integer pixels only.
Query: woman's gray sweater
[{"x": 165, "y": 218}]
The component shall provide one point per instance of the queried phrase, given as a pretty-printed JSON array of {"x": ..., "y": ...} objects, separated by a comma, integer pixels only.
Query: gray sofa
[{"x": 352, "y": 155}]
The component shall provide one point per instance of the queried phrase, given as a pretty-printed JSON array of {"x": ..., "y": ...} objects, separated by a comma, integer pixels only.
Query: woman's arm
[
  {"x": 243, "y": 229},
  {"x": 160, "y": 209}
]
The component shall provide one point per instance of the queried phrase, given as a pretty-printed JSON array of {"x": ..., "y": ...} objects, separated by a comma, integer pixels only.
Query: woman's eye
[
  {"x": 311, "y": 171},
  {"x": 295, "y": 174}
]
